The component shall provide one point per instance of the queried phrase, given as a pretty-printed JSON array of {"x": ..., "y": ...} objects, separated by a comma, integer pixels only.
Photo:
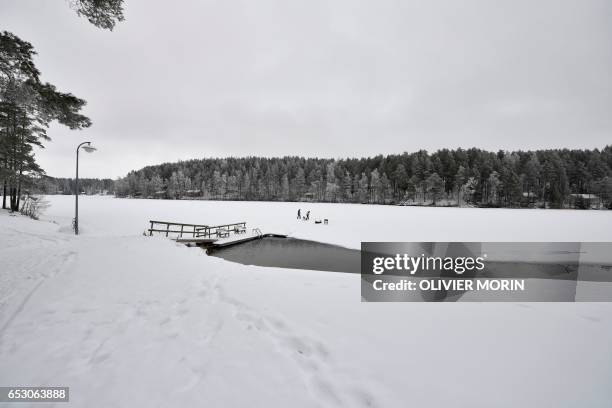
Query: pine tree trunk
[
  {"x": 18, "y": 198},
  {"x": 13, "y": 198},
  {"x": 4, "y": 196}
]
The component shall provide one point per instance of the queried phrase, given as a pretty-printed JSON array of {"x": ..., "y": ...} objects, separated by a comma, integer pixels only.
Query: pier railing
[
  {"x": 221, "y": 231},
  {"x": 196, "y": 230}
]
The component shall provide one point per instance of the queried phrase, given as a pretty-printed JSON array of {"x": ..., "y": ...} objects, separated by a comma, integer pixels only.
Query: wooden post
[
  {"x": 167, "y": 229},
  {"x": 151, "y": 230},
  {"x": 182, "y": 230}
]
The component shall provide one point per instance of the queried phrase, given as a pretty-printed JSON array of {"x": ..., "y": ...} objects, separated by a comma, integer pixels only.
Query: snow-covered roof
[{"x": 585, "y": 195}]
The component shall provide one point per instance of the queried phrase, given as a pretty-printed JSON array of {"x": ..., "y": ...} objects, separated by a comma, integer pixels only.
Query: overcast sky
[{"x": 196, "y": 78}]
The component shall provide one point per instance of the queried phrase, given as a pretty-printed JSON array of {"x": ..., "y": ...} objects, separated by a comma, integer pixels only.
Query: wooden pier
[
  {"x": 196, "y": 230},
  {"x": 206, "y": 235}
]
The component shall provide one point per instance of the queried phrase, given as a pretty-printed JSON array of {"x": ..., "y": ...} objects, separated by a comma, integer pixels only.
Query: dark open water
[{"x": 292, "y": 253}]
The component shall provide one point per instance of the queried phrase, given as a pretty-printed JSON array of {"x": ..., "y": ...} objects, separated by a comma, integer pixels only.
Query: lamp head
[{"x": 89, "y": 148}]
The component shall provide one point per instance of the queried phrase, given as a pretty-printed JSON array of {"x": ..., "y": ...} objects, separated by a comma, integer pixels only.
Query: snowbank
[{"x": 127, "y": 320}]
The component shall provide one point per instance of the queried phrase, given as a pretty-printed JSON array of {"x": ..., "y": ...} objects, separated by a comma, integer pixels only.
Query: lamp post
[{"x": 89, "y": 149}]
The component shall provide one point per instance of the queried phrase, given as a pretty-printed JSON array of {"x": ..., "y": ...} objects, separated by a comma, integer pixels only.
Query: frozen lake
[{"x": 349, "y": 224}]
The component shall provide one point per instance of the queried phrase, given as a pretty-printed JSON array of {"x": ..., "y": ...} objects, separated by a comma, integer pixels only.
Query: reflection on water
[{"x": 292, "y": 253}]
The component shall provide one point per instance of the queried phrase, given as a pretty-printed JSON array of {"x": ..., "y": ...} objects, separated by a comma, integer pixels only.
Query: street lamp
[{"x": 89, "y": 149}]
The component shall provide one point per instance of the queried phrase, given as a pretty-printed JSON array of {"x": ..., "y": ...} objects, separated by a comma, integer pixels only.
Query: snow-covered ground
[{"x": 132, "y": 321}]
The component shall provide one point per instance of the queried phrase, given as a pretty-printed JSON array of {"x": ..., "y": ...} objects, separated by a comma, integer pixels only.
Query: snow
[
  {"x": 349, "y": 224},
  {"x": 127, "y": 320}
]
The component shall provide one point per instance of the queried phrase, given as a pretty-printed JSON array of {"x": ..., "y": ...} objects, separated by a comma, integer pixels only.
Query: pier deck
[
  {"x": 196, "y": 241},
  {"x": 227, "y": 243}
]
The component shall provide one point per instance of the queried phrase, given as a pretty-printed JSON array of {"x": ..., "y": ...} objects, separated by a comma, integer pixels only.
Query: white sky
[{"x": 198, "y": 78}]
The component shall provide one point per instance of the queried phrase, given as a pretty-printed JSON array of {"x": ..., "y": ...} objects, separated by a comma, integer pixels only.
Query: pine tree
[
  {"x": 364, "y": 189},
  {"x": 331, "y": 187},
  {"x": 412, "y": 188},
  {"x": 494, "y": 184},
  {"x": 375, "y": 186},
  {"x": 385, "y": 188},
  {"x": 532, "y": 174},
  {"x": 300, "y": 184},
  {"x": 400, "y": 180},
  {"x": 27, "y": 108},
  {"x": 435, "y": 187},
  {"x": 345, "y": 187},
  {"x": 460, "y": 179},
  {"x": 173, "y": 186},
  {"x": 285, "y": 196}
]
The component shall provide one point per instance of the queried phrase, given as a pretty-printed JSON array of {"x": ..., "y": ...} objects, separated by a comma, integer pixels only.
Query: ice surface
[{"x": 349, "y": 224}]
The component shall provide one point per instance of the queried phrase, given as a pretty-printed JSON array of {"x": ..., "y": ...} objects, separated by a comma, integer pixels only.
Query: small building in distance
[
  {"x": 193, "y": 193},
  {"x": 585, "y": 201},
  {"x": 159, "y": 194}
]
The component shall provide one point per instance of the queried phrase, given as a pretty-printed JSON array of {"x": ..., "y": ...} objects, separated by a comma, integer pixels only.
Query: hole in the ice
[{"x": 292, "y": 253}]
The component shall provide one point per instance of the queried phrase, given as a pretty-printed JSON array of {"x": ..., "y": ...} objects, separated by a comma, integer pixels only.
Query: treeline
[
  {"x": 46, "y": 185},
  {"x": 89, "y": 186},
  {"x": 543, "y": 178}
]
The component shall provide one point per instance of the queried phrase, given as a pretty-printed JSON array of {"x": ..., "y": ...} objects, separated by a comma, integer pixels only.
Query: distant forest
[
  {"x": 52, "y": 185},
  {"x": 544, "y": 178}
]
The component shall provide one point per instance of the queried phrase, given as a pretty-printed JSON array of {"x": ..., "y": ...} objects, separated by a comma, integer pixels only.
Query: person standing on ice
[
  {"x": 307, "y": 215},
  {"x": 299, "y": 213}
]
